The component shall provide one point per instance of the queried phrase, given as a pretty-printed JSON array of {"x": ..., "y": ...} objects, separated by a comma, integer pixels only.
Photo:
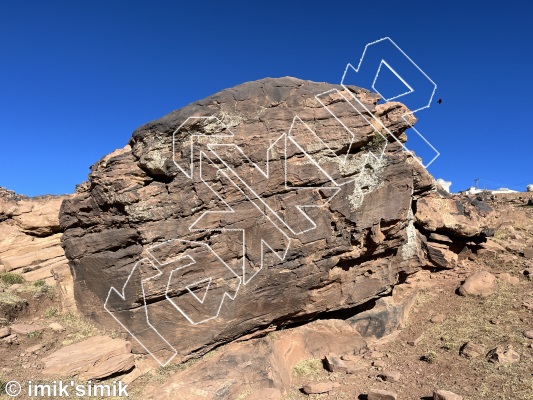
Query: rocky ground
[{"x": 473, "y": 339}]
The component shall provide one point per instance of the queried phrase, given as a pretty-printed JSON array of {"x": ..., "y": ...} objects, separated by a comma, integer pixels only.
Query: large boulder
[{"x": 274, "y": 202}]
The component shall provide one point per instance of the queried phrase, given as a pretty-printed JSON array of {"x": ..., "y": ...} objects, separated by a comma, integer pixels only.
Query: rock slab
[{"x": 93, "y": 358}]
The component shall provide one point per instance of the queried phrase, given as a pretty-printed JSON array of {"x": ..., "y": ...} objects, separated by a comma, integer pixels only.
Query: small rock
[
  {"x": 481, "y": 283},
  {"x": 11, "y": 339},
  {"x": 33, "y": 349},
  {"x": 377, "y": 394},
  {"x": 351, "y": 358},
  {"x": 390, "y": 376},
  {"x": 378, "y": 364},
  {"x": 56, "y": 327},
  {"x": 494, "y": 321},
  {"x": 446, "y": 395},
  {"x": 528, "y": 253},
  {"x": 503, "y": 355},
  {"x": 528, "y": 334},
  {"x": 317, "y": 388},
  {"x": 5, "y": 331},
  {"x": 334, "y": 363},
  {"x": 440, "y": 238},
  {"x": 415, "y": 341},
  {"x": 471, "y": 350},
  {"x": 438, "y": 319},
  {"x": 508, "y": 278},
  {"x": 24, "y": 329},
  {"x": 354, "y": 367}
]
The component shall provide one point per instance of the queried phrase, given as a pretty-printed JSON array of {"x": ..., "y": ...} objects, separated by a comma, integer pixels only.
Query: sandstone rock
[
  {"x": 490, "y": 247},
  {"x": 317, "y": 388},
  {"x": 472, "y": 350},
  {"x": 24, "y": 329},
  {"x": 258, "y": 364},
  {"x": 334, "y": 363},
  {"x": 141, "y": 196},
  {"x": 13, "y": 338},
  {"x": 65, "y": 284},
  {"x": 528, "y": 252},
  {"x": 452, "y": 214},
  {"x": 414, "y": 341},
  {"x": 56, "y": 327},
  {"x": 438, "y": 318},
  {"x": 93, "y": 358},
  {"x": 378, "y": 394},
  {"x": 234, "y": 250},
  {"x": 5, "y": 331},
  {"x": 481, "y": 283},
  {"x": 388, "y": 315},
  {"x": 446, "y": 395},
  {"x": 528, "y": 334},
  {"x": 503, "y": 355},
  {"x": 436, "y": 237},
  {"x": 30, "y": 234},
  {"x": 143, "y": 365},
  {"x": 390, "y": 376},
  {"x": 33, "y": 349},
  {"x": 440, "y": 255}
]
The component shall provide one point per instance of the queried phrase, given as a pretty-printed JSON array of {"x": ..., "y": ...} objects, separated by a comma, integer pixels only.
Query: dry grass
[
  {"x": 79, "y": 327},
  {"x": 472, "y": 323},
  {"x": 310, "y": 368}
]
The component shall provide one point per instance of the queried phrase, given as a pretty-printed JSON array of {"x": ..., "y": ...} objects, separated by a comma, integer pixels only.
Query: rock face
[
  {"x": 30, "y": 238},
  {"x": 270, "y": 203}
]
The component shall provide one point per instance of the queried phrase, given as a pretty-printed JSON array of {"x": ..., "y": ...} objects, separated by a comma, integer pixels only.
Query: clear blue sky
[{"x": 76, "y": 78}]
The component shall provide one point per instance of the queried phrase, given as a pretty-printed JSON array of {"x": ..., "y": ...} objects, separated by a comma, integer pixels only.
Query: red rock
[
  {"x": 377, "y": 394},
  {"x": 317, "y": 388},
  {"x": 481, "y": 283},
  {"x": 446, "y": 395},
  {"x": 93, "y": 358}
]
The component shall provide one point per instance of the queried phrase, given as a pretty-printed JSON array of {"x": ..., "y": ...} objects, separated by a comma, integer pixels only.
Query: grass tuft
[{"x": 11, "y": 278}]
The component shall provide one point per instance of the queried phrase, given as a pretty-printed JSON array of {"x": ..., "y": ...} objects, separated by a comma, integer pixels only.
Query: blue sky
[{"x": 76, "y": 78}]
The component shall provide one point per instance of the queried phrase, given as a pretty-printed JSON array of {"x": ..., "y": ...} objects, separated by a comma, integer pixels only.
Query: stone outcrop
[
  {"x": 94, "y": 358},
  {"x": 262, "y": 365},
  {"x": 275, "y": 202},
  {"x": 30, "y": 237}
]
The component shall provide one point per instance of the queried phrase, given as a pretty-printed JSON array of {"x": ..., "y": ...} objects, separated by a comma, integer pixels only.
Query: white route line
[{"x": 357, "y": 70}]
